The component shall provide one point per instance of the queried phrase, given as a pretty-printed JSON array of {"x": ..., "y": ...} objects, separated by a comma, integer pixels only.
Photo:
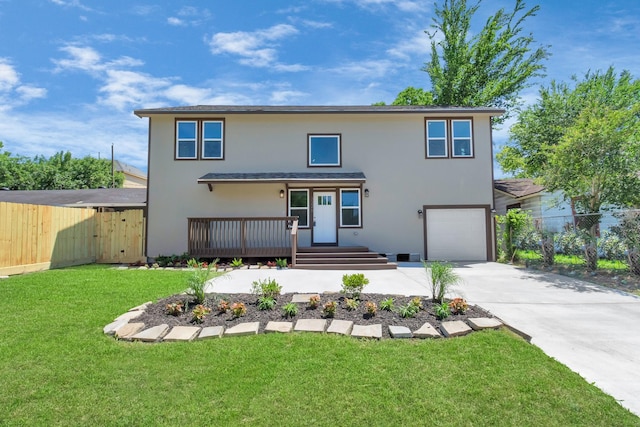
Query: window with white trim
[
  {"x": 350, "y": 208},
  {"x": 437, "y": 138},
  {"x": 461, "y": 138},
  {"x": 324, "y": 150},
  {"x": 186, "y": 140},
  {"x": 299, "y": 206},
  {"x": 212, "y": 132},
  {"x": 200, "y": 138},
  {"x": 449, "y": 138}
]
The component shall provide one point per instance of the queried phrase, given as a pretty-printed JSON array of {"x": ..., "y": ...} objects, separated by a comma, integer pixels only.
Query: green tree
[
  {"x": 414, "y": 96},
  {"x": 585, "y": 142},
  {"x": 59, "y": 172},
  {"x": 488, "y": 69}
]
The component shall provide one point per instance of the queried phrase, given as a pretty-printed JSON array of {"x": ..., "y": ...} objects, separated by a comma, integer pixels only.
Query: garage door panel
[{"x": 457, "y": 234}]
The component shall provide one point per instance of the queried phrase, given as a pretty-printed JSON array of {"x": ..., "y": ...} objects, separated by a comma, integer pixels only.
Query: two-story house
[{"x": 227, "y": 181}]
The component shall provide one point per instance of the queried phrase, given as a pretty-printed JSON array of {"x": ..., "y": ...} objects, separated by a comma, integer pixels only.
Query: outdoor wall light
[
  {"x": 420, "y": 213},
  {"x": 282, "y": 194},
  {"x": 366, "y": 192}
]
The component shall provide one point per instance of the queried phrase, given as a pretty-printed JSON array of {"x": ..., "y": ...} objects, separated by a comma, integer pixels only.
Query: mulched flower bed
[{"x": 156, "y": 314}]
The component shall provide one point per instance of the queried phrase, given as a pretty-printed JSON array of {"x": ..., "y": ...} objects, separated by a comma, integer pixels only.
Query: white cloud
[
  {"x": 27, "y": 93},
  {"x": 81, "y": 58},
  {"x": 71, "y": 3},
  {"x": 8, "y": 75},
  {"x": 255, "y": 49},
  {"x": 402, "y": 5},
  {"x": 123, "y": 88},
  {"x": 418, "y": 45},
  {"x": 286, "y": 97},
  {"x": 87, "y": 59},
  {"x": 12, "y": 92},
  {"x": 366, "y": 69},
  {"x": 189, "y": 15},
  {"x": 175, "y": 22}
]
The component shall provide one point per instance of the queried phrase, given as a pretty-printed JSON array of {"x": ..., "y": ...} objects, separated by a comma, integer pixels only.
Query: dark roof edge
[{"x": 350, "y": 109}]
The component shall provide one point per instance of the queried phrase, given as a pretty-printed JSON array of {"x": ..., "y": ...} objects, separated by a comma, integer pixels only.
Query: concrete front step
[{"x": 346, "y": 266}]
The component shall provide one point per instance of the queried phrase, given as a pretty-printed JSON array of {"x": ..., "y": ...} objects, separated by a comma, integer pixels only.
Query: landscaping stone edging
[{"x": 124, "y": 327}]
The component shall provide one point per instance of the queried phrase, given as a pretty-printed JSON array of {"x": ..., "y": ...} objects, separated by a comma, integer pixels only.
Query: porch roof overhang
[{"x": 281, "y": 177}]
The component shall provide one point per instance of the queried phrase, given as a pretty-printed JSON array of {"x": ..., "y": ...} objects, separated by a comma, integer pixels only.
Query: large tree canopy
[
  {"x": 487, "y": 69},
  {"x": 59, "y": 172},
  {"x": 582, "y": 140}
]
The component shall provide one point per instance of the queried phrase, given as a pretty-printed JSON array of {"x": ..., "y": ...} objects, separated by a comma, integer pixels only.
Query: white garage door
[{"x": 456, "y": 234}]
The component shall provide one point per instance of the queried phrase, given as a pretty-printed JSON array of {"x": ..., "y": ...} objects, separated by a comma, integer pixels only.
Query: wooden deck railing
[{"x": 243, "y": 237}]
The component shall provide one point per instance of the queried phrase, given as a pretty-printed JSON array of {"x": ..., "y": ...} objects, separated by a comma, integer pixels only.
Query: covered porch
[{"x": 274, "y": 237}]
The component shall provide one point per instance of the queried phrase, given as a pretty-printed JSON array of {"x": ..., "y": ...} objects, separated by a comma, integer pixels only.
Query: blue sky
[{"x": 72, "y": 71}]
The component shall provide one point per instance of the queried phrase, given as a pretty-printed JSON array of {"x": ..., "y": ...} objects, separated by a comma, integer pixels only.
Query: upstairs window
[
  {"x": 324, "y": 150},
  {"x": 202, "y": 139},
  {"x": 449, "y": 138},
  {"x": 299, "y": 206},
  {"x": 212, "y": 132},
  {"x": 461, "y": 137},
  {"x": 186, "y": 140},
  {"x": 436, "y": 138}
]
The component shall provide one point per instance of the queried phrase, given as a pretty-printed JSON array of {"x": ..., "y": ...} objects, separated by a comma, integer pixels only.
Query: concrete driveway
[{"x": 593, "y": 330}]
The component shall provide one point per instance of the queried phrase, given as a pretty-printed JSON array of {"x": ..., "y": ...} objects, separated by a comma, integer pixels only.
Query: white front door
[{"x": 324, "y": 217}]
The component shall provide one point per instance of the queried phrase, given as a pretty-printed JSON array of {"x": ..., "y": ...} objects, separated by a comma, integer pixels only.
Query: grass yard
[
  {"x": 58, "y": 368},
  {"x": 573, "y": 260}
]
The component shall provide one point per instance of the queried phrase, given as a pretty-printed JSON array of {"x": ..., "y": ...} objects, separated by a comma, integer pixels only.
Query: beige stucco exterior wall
[{"x": 388, "y": 148}]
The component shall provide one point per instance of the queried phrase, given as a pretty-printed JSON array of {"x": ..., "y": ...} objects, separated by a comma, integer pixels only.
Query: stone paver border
[{"x": 124, "y": 327}]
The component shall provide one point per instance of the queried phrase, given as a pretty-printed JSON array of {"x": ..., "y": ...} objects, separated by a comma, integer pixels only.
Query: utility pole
[{"x": 113, "y": 172}]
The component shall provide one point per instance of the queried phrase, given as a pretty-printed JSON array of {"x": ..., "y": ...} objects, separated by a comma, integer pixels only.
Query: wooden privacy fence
[{"x": 35, "y": 237}]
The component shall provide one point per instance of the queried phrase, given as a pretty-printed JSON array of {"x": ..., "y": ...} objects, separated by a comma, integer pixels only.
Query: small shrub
[
  {"x": 237, "y": 262},
  {"x": 238, "y": 309},
  {"x": 329, "y": 309},
  {"x": 442, "y": 311},
  {"x": 314, "y": 301},
  {"x": 611, "y": 246},
  {"x": 570, "y": 242},
  {"x": 199, "y": 312},
  {"x": 387, "y": 304},
  {"x": 266, "y": 288},
  {"x": 271, "y": 264},
  {"x": 351, "y": 303},
  {"x": 223, "y": 306},
  {"x": 408, "y": 310},
  {"x": 458, "y": 305},
  {"x": 353, "y": 284},
  {"x": 281, "y": 263},
  {"x": 371, "y": 307},
  {"x": 266, "y": 303},
  {"x": 416, "y": 302},
  {"x": 174, "y": 309},
  {"x": 441, "y": 276},
  {"x": 290, "y": 309},
  {"x": 197, "y": 280}
]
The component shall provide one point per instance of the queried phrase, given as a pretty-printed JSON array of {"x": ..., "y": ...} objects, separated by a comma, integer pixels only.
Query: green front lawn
[
  {"x": 573, "y": 260},
  {"x": 58, "y": 368}
]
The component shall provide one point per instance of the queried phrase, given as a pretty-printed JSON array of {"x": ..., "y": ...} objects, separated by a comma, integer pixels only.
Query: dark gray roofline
[
  {"x": 269, "y": 177},
  {"x": 315, "y": 109}
]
